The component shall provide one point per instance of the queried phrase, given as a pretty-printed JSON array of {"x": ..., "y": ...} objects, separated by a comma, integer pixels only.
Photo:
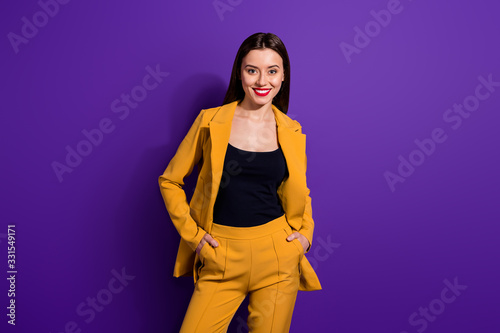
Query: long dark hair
[{"x": 258, "y": 41}]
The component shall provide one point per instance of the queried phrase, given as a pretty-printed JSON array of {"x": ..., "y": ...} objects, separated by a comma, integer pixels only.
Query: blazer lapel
[
  {"x": 291, "y": 140},
  {"x": 293, "y": 190},
  {"x": 220, "y": 130}
]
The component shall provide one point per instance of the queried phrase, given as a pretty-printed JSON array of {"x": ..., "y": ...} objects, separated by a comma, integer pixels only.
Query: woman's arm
[
  {"x": 171, "y": 183},
  {"x": 307, "y": 228},
  {"x": 307, "y": 222}
]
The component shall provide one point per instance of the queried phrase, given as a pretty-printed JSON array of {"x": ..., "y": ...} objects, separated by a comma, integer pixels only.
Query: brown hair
[{"x": 258, "y": 41}]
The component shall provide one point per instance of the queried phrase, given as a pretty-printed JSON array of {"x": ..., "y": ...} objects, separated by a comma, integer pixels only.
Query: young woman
[{"x": 249, "y": 222}]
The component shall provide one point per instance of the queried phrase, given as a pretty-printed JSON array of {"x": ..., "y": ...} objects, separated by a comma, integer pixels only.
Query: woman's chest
[{"x": 251, "y": 136}]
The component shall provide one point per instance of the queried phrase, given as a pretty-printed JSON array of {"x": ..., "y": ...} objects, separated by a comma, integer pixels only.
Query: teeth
[{"x": 262, "y": 91}]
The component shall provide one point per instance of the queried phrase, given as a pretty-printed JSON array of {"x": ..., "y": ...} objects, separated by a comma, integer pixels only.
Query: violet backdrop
[{"x": 400, "y": 102}]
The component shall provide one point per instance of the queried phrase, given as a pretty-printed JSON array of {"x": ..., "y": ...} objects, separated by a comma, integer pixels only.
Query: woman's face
[{"x": 261, "y": 76}]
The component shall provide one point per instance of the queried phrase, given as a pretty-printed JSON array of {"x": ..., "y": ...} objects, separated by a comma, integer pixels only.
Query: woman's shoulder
[
  {"x": 287, "y": 120},
  {"x": 205, "y": 115},
  {"x": 290, "y": 120},
  {"x": 208, "y": 113}
]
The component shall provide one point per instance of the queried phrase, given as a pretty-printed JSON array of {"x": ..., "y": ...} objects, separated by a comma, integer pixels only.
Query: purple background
[{"x": 381, "y": 254}]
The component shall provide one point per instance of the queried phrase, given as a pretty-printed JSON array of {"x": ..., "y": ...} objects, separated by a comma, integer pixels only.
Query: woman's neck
[{"x": 253, "y": 111}]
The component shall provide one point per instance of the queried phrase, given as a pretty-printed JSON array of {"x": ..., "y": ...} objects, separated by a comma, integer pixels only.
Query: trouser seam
[
  {"x": 208, "y": 303},
  {"x": 251, "y": 267},
  {"x": 274, "y": 308}
]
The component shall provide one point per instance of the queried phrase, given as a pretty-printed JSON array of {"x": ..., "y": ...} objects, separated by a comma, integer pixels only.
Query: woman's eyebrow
[{"x": 258, "y": 67}]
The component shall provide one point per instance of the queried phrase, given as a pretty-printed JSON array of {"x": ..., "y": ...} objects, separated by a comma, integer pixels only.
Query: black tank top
[{"x": 248, "y": 190}]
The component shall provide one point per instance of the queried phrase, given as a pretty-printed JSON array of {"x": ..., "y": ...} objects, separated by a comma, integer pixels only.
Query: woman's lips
[{"x": 261, "y": 92}]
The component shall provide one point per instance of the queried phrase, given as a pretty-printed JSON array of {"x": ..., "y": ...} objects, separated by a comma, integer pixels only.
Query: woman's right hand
[{"x": 206, "y": 239}]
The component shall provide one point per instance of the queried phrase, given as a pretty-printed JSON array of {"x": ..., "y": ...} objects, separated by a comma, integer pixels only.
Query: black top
[{"x": 248, "y": 190}]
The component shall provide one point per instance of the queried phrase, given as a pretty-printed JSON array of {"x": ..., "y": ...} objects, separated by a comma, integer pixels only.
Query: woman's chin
[{"x": 260, "y": 101}]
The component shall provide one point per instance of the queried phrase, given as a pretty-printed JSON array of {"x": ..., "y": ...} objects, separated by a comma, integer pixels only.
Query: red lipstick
[{"x": 261, "y": 92}]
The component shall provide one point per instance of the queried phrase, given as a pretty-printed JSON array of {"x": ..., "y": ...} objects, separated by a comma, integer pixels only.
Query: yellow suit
[{"x": 205, "y": 145}]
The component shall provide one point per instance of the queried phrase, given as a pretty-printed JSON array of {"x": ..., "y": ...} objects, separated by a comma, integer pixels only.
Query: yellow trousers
[{"x": 257, "y": 261}]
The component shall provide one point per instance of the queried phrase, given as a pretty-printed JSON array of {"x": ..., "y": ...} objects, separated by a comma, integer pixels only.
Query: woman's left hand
[{"x": 302, "y": 239}]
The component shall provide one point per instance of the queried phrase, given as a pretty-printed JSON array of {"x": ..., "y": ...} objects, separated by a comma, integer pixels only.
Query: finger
[
  {"x": 292, "y": 236},
  {"x": 211, "y": 240},
  {"x": 200, "y": 245}
]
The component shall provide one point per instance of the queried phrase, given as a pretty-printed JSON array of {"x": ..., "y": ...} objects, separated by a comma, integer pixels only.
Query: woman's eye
[
  {"x": 272, "y": 71},
  {"x": 251, "y": 71}
]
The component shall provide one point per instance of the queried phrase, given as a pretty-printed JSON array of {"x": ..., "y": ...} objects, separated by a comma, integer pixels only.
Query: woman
[{"x": 249, "y": 222}]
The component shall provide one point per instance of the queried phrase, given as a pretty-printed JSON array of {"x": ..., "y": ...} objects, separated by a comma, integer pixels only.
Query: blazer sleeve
[
  {"x": 307, "y": 228},
  {"x": 171, "y": 183}
]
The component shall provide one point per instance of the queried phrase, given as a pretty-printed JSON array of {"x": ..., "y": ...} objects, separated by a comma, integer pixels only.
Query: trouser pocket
[
  {"x": 288, "y": 253},
  {"x": 213, "y": 260},
  {"x": 296, "y": 242}
]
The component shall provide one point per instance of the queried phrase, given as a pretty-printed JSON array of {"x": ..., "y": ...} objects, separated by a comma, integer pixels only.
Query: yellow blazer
[{"x": 205, "y": 146}]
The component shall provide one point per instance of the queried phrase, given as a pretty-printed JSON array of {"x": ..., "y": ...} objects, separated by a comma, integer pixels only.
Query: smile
[{"x": 261, "y": 92}]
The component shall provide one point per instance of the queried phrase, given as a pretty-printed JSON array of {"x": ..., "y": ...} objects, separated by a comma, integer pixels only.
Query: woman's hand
[
  {"x": 207, "y": 238},
  {"x": 302, "y": 239}
]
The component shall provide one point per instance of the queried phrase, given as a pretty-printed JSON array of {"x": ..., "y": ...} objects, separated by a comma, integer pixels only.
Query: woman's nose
[{"x": 261, "y": 81}]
